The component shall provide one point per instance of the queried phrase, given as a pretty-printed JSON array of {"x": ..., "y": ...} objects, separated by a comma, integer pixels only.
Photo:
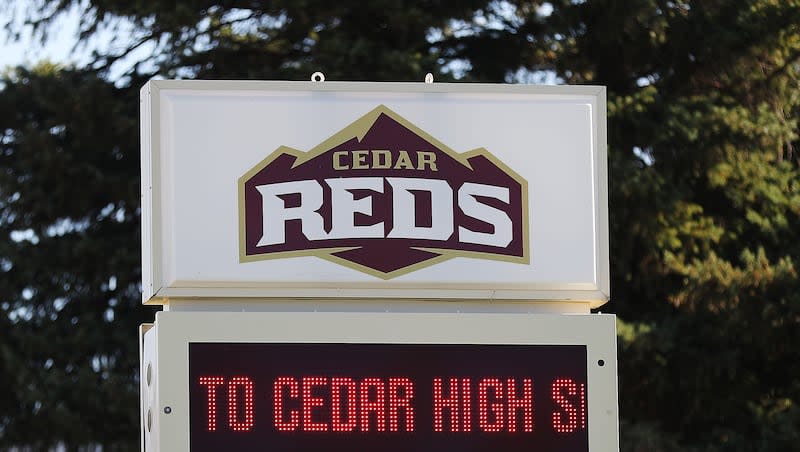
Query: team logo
[{"x": 385, "y": 198}]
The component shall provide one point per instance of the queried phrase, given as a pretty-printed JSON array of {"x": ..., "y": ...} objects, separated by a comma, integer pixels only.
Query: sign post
[{"x": 375, "y": 266}]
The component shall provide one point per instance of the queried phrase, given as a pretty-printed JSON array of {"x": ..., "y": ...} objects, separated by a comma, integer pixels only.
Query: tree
[
  {"x": 70, "y": 288},
  {"x": 704, "y": 191}
]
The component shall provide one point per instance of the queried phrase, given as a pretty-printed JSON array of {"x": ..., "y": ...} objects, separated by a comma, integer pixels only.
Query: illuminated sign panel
[
  {"x": 354, "y": 191},
  {"x": 388, "y": 397}
]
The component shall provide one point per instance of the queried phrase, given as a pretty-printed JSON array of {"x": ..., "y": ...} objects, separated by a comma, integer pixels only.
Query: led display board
[
  {"x": 379, "y": 381},
  {"x": 388, "y": 397},
  {"x": 338, "y": 190}
]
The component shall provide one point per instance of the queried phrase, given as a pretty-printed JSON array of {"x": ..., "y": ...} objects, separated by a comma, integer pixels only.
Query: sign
[
  {"x": 331, "y": 190},
  {"x": 388, "y": 397},
  {"x": 380, "y": 381},
  {"x": 385, "y": 198}
]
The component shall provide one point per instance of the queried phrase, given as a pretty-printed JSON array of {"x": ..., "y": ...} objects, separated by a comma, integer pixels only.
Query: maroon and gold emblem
[{"x": 383, "y": 197}]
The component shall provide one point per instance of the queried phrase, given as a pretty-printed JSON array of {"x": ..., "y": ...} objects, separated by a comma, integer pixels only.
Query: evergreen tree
[
  {"x": 704, "y": 191},
  {"x": 69, "y": 206}
]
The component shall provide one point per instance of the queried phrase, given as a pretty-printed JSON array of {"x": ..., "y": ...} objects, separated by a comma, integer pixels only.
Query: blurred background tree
[{"x": 704, "y": 189}]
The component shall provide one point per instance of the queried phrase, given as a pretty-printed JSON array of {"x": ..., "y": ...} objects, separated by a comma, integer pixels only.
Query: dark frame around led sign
[{"x": 390, "y": 397}]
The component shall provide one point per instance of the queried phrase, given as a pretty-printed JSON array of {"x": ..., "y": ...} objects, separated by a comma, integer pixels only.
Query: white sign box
[
  {"x": 374, "y": 190},
  {"x": 393, "y": 382}
]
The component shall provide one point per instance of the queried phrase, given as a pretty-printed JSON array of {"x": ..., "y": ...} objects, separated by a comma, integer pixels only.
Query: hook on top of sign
[
  {"x": 317, "y": 77},
  {"x": 428, "y": 78}
]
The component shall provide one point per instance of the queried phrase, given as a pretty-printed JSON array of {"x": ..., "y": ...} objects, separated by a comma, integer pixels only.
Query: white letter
[
  {"x": 404, "y": 209},
  {"x": 344, "y": 207},
  {"x": 503, "y": 228},
  {"x": 276, "y": 214}
]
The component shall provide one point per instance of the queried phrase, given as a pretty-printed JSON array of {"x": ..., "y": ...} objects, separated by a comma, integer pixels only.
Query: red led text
[
  {"x": 241, "y": 415},
  {"x": 341, "y": 404}
]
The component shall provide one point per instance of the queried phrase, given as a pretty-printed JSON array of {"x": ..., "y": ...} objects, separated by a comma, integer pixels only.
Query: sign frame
[
  {"x": 165, "y": 358},
  {"x": 159, "y": 285}
]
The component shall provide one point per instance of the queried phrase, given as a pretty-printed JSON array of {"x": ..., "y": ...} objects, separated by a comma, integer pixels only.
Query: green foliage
[
  {"x": 704, "y": 97},
  {"x": 69, "y": 196}
]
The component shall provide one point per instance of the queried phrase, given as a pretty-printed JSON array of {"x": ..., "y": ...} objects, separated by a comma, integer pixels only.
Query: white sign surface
[{"x": 374, "y": 190}]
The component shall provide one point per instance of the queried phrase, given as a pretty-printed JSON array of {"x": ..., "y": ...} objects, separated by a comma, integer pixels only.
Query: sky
[
  {"x": 27, "y": 51},
  {"x": 60, "y": 44}
]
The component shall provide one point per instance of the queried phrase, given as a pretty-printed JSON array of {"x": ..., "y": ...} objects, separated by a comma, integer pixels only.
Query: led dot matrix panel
[
  {"x": 389, "y": 397},
  {"x": 391, "y": 382}
]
